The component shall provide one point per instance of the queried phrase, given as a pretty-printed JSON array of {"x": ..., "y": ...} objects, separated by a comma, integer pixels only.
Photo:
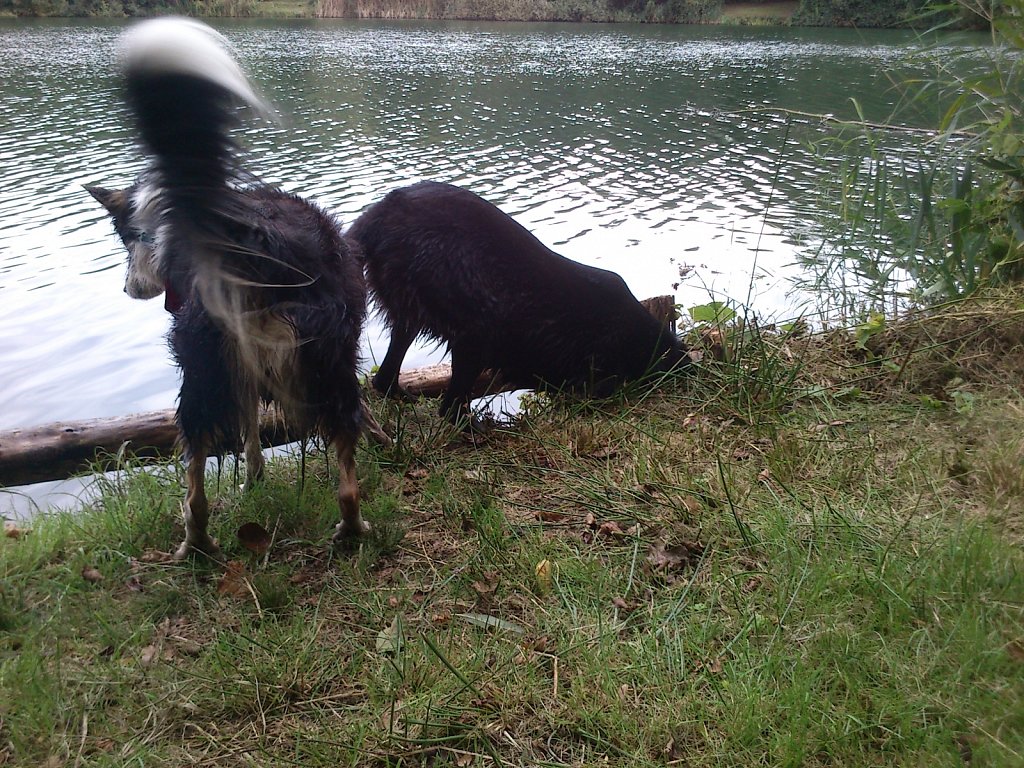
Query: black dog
[
  {"x": 268, "y": 298},
  {"x": 443, "y": 262}
]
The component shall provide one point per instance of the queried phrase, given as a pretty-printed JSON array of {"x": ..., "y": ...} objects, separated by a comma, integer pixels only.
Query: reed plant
[{"x": 912, "y": 223}]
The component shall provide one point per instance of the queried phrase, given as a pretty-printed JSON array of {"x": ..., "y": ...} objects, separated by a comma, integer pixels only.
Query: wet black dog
[
  {"x": 267, "y": 296},
  {"x": 443, "y": 262}
]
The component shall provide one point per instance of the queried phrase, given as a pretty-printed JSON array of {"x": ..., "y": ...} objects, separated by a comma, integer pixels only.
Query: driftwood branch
[{"x": 56, "y": 451}]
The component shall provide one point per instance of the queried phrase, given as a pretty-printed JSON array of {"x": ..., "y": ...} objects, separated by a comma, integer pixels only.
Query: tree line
[
  {"x": 838, "y": 13},
  {"x": 128, "y": 8}
]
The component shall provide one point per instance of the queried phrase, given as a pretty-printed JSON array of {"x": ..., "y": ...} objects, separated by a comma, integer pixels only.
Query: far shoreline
[{"x": 771, "y": 13}]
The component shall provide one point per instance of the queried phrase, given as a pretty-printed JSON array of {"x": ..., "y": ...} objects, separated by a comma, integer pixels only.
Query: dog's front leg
[
  {"x": 196, "y": 511},
  {"x": 352, "y": 523},
  {"x": 385, "y": 381},
  {"x": 455, "y": 405}
]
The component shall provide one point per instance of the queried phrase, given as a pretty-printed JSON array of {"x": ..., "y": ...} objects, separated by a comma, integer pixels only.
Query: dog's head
[{"x": 130, "y": 210}]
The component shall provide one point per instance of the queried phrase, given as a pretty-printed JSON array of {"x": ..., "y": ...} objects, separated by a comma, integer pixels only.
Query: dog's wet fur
[
  {"x": 445, "y": 263},
  {"x": 268, "y": 298}
]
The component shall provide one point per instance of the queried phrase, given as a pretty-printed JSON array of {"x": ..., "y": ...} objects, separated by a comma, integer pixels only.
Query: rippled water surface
[{"x": 640, "y": 149}]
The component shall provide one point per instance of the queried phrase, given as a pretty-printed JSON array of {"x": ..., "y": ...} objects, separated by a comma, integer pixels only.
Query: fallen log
[{"x": 57, "y": 451}]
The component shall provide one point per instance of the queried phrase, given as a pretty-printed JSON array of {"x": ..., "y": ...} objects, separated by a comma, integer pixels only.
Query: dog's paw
[
  {"x": 344, "y": 531},
  {"x": 199, "y": 545}
]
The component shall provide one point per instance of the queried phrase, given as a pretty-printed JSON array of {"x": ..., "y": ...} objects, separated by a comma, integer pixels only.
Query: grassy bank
[{"x": 807, "y": 554}]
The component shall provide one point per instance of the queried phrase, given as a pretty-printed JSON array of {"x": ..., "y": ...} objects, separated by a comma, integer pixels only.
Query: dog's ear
[{"x": 114, "y": 200}]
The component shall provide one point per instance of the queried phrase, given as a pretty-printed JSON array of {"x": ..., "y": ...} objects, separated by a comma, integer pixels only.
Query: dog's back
[
  {"x": 303, "y": 296},
  {"x": 442, "y": 261}
]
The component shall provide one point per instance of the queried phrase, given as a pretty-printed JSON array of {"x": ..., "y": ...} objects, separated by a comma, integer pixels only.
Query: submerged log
[{"x": 57, "y": 451}]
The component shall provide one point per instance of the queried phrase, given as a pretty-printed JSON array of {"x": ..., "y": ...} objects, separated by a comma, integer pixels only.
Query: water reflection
[{"x": 640, "y": 149}]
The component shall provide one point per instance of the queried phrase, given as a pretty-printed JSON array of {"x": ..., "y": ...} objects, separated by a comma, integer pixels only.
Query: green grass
[{"x": 760, "y": 565}]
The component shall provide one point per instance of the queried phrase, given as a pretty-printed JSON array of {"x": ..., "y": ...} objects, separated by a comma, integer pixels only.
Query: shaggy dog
[
  {"x": 445, "y": 263},
  {"x": 268, "y": 299}
]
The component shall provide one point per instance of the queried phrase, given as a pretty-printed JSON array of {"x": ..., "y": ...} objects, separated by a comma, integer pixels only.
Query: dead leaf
[
  {"x": 713, "y": 341},
  {"x": 676, "y": 557},
  {"x": 623, "y": 607},
  {"x": 134, "y": 583},
  {"x": 764, "y": 476},
  {"x": 417, "y": 474},
  {"x": 92, "y": 575},
  {"x": 542, "y": 459},
  {"x": 610, "y": 529},
  {"x": 691, "y": 504},
  {"x": 156, "y": 556},
  {"x": 548, "y": 516},
  {"x": 233, "y": 582},
  {"x": 254, "y": 537},
  {"x": 828, "y": 425},
  {"x": 12, "y": 531},
  {"x": 589, "y": 520},
  {"x": 487, "y": 585},
  {"x": 389, "y": 639},
  {"x": 692, "y": 420},
  {"x": 544, "y": 577},
  {"x": 188, "y": 647},
  {"x": 670, "y": 751},
  {"x": 1015, "y": 648},
  {"x": 150, "y": 654},
  {"x": 741, "y": 454},
  {"x": 965, "y": 746}
]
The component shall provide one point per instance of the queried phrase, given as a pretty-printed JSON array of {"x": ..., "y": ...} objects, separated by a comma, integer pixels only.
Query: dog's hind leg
[
  {"x": 385, "y": 380},
  {"x": 352, "y": 523},
  {"x": 196, "y": 511}
]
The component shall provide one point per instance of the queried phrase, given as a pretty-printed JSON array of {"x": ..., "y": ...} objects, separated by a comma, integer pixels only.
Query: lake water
[{"x": 648, "y": 150}]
